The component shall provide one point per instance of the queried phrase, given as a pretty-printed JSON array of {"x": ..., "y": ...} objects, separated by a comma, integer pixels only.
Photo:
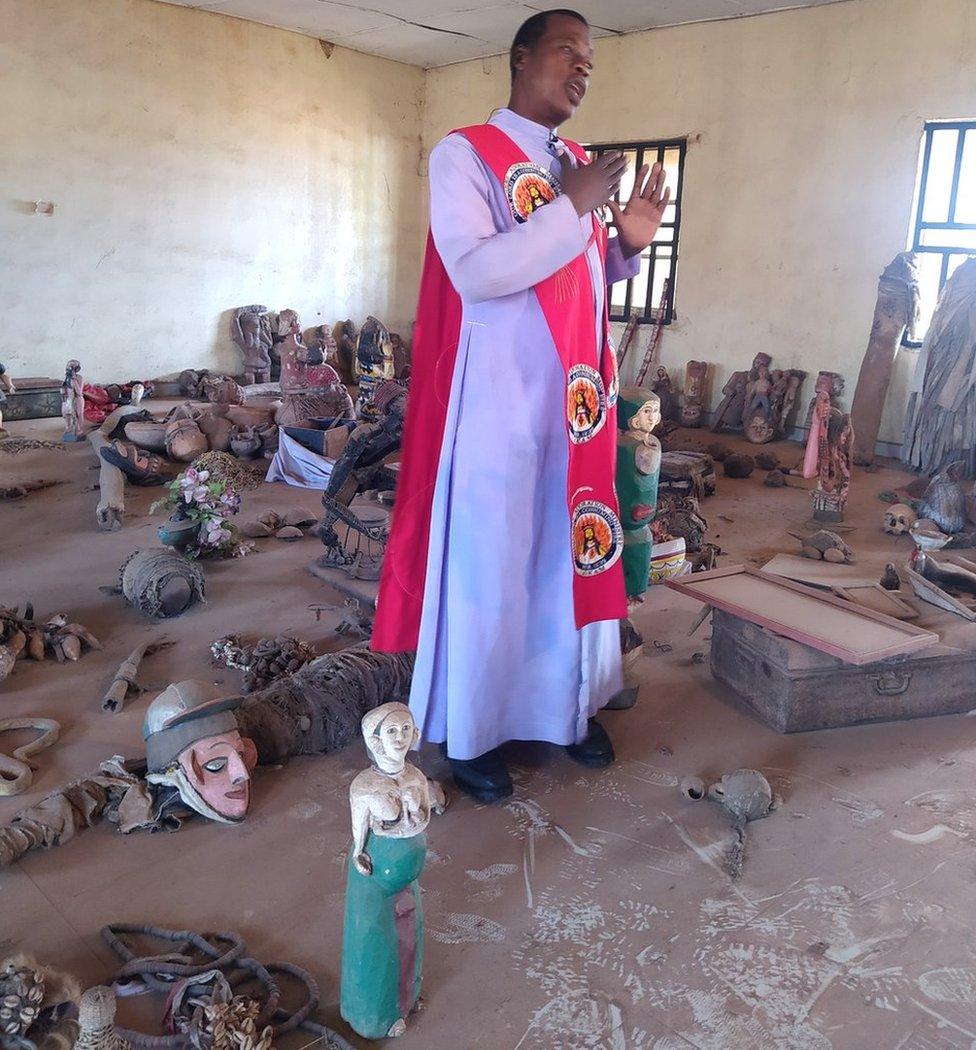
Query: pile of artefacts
[
  {"x": 264, "y": 662},
  {"x": 22, "y": 636},
  {"x": 316, "y": 710},
  {"x": 203, "y": 1010}
]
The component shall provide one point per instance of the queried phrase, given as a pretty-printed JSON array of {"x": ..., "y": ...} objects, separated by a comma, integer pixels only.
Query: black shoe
[
  {"x": 484, "y": 778},
  {"x": 595, "y": 749}
]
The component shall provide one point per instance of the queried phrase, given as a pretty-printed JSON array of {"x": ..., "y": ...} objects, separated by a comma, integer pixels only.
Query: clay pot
[
  {"x": 151, "y": 436},
  {"x": 185, "y": 440},
  {"x": 179, "y": 534},
  {"x": 217, "y": 430},
  {"x": 245, "y": 447}
]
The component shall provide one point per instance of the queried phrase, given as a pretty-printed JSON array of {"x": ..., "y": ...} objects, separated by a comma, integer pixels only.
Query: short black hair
[{"x": 533, "y": 29}]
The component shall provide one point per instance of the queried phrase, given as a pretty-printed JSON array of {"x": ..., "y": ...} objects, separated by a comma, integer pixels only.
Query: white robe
[{"x": 499, "y": 656}]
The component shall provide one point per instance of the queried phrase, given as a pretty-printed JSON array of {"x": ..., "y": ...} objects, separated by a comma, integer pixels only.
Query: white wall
[
  {"x": 196, "y": 163},
  {"x": 805, "y": 130}
]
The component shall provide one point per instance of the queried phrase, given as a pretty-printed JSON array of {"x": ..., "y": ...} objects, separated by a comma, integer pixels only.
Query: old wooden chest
[
  {"x": 34, "y": 398},
  {"x": 793, "y": 688}
]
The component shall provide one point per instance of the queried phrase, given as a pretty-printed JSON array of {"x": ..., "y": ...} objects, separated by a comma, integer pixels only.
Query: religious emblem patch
[
  {"x": 586, "y": 403},
  {"x": 597, "y": 538},
  {"x": 528, "y": 188}
]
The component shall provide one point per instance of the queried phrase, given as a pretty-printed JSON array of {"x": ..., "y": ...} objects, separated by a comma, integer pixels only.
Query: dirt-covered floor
[{"x": 591, "y": 910}]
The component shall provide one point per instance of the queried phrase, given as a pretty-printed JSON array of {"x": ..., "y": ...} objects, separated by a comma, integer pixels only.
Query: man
[{"x": 503, "y": 567}]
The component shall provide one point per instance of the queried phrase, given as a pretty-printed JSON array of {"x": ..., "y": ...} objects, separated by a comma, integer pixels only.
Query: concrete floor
[{"x": 591, "y": 910}]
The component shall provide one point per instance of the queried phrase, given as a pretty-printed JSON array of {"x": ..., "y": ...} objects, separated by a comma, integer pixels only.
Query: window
[
  {"x": 945, "y": 216},
  {"x": 641, "y": 295}
]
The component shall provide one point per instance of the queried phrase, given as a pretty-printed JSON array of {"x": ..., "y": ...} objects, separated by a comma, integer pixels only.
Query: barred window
[
  {"x": 945, "y": 210},
  {"x": 641, "y": 295}
]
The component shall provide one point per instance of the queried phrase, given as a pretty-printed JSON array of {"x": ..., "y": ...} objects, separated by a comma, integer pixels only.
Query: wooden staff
[{"x": 125, "y": 676}]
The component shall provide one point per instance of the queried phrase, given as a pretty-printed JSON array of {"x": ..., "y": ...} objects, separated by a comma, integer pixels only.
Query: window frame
[
  {"x": 919, "y": 224},
  {"x": 642, "y": 148}
]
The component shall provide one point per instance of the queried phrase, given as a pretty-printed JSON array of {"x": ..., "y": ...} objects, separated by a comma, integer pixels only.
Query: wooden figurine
[
  {"x": 307, "y": 391},
  {"x": 250, "y": 328},
  {"x": 638, "y": 472},
  {"x": 6, "y": 387},
  {"x": 374, "y": 360},
  {"x": 834, "y": 462},
  {"x": 73, "y": 402},
  {"x": 665, "y": 392},
  {"x": 382, "y": 940},
  {"x": 897, "y": 308},
  {"x": 728, "y": 415},
  {"x": 693, "y": 408}
]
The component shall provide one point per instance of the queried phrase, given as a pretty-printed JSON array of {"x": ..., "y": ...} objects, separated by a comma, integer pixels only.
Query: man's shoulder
[
  {"x": 455, "y": 151},
  {"x": 454, "y": 143}
]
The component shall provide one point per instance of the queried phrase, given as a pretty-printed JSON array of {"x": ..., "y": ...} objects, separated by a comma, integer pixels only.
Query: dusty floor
[{"x": 590, "y": 911}]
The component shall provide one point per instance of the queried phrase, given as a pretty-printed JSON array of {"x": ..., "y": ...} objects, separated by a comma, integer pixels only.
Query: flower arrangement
[{"x": 192, "y": 497}]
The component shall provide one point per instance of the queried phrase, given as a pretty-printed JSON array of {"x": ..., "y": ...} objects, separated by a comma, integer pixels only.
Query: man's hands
[
  {"x": 638, "y": 221},
  {"x": 590, "y": 186}
]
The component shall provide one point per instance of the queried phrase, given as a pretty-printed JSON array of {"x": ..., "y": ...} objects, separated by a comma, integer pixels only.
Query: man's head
[
  {"x": 193, "y": 744},
  {"x": 551, "y": 60}
]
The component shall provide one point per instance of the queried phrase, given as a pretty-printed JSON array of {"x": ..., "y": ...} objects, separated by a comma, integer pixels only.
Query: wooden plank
[
  {"x": 831, "y": 625},
  {"x": 874, "y": 596},
  {"x": 816, "y": 573},
  {"x": 933, "y": 594}
]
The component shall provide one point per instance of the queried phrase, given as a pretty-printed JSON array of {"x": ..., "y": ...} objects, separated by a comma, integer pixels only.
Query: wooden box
[
  {"x": 33, "y": 399},
  {"x": 793, "y": 688},
  {"x": 327, "y": 437}
]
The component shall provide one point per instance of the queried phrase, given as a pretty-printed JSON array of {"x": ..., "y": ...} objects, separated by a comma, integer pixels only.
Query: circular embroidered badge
[
  {"x": 586, "y": 403},
  {"x": 597, "y": 538},
  {"x": 528, "y": 188}
]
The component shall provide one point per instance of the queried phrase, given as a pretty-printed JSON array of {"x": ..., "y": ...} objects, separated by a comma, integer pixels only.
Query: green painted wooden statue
[
  {"x": 383, "y": 934},
  {"x": 638, "y": 470}
]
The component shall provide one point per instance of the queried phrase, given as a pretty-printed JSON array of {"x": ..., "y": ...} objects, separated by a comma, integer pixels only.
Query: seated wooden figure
[{"x": 382, "y": 941}]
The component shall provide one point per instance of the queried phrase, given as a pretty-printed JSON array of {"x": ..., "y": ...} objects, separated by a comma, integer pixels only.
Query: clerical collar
[{"x": 538, "y": 134}]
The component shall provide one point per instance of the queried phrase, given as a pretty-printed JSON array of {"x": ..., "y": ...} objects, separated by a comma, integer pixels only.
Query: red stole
[{"x": 566, "y": 298}]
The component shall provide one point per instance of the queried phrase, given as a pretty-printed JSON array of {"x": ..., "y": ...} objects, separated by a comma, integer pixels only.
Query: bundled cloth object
[
  {"x": 111, "y": 793},
  {"x": 159, "y": 582}
]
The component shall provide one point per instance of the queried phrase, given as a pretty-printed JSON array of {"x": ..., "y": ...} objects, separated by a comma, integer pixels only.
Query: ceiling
[{"x": 438, "y": 32}]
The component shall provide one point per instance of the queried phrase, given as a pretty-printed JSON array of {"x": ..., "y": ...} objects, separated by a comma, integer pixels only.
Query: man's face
[
  {"x": 556, "y": 71},
  {"x": 219, "y": 768}
]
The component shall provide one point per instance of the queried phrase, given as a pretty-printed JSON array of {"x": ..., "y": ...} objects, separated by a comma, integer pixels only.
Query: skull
[{"x": 899, "y": 518}]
